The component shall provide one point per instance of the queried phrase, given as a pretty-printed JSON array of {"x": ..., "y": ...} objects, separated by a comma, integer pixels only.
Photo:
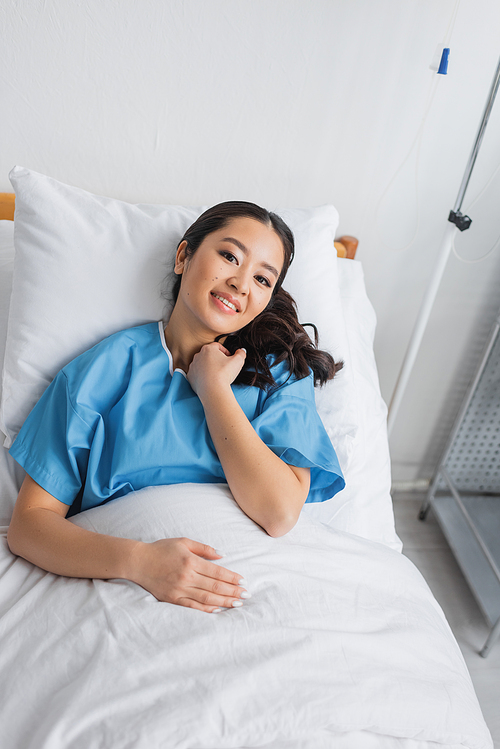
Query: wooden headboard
[
  {"x": 346, "y": 245},
  {"x": 7, "y": 200}
]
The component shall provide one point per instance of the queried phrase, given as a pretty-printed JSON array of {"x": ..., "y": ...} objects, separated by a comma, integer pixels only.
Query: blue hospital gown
[{"x": 119, "y": 418}]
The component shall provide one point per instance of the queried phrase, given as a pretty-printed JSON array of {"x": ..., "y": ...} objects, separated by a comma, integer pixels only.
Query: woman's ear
[{"x": 180, "y": 258}]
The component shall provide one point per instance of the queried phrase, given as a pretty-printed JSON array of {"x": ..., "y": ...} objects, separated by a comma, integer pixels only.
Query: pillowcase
[
  {"x": 87, "y": 266},
  {"x": 6, "y": 271},
  {"x": 11, "y": 473},
  {"x": 364, "y": 507}
]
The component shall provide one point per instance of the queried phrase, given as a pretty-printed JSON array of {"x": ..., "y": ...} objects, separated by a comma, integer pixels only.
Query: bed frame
[
  {"x": 346, "y": 245},
  {"x": 7, "y": 204}
]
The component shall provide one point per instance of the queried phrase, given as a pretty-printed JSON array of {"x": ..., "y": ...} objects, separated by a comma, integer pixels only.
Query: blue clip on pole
[{"x": 443, "y": 65}]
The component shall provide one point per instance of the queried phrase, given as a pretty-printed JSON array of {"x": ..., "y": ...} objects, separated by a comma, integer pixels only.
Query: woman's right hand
[{"x": 177, "y": 570}]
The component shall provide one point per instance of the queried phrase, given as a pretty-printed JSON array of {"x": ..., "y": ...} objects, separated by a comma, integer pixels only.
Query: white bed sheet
[{"x": 341, "y": 645}]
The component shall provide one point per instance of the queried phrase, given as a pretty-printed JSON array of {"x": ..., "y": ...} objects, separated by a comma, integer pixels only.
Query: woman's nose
[{"x": 240, "y": 282}]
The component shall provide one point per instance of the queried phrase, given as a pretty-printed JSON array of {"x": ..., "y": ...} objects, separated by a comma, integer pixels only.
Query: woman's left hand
[{"x": 214, "y": 367}]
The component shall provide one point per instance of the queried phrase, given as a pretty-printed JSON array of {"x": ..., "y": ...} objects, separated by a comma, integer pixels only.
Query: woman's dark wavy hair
[{"x": 276, "y": 330}]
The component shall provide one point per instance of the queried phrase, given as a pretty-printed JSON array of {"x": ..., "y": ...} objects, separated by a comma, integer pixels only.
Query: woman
[{"x": 222, "y": 392}]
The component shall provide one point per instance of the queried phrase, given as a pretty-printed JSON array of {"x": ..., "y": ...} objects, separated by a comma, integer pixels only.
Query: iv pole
[{"x": 457, "y": 222}]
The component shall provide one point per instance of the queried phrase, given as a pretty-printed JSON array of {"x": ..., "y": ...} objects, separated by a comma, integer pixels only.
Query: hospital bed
[{"x": 342, "y": 643}]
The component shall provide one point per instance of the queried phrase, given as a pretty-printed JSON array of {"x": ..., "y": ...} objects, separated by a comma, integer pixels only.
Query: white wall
[{"x": 287, "y": 103}]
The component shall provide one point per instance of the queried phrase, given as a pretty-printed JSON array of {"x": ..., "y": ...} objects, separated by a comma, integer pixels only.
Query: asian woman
[{"x": 221, "y": 392}]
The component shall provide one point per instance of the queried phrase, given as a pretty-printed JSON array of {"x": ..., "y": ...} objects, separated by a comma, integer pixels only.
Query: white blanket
[{"x": 341, "y": 645}]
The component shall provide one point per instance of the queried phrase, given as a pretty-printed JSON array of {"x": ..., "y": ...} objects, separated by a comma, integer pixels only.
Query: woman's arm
[
  {"x": 266, "y": 488},
  {"x": 175, "y": 570}
]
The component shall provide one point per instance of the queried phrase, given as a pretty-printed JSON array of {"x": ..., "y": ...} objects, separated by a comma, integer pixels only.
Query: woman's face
[{"x": 230, "y": 278}]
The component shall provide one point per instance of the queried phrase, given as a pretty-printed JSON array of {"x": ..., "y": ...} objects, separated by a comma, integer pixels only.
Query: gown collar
[{"x": 161, "y": 330}]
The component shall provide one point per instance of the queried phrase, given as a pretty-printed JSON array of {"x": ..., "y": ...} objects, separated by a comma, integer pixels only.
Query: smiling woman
[
  {"x": 261, "y": 254},
  {"x": 225, "y": 283},
  {"x": 224, "y": 392}
]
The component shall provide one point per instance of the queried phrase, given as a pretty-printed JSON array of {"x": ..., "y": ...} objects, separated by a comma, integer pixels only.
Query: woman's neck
[{"x": 182, "y": 342}]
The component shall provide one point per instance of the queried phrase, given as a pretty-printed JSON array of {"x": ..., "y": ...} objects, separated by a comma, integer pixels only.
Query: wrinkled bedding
[{"x": 341, "y": 645}]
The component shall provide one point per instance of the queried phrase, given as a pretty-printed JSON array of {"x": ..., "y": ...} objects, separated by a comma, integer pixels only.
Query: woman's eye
[
  {"x": 263, "y": 280},
  {"x": 228, "y": 255}
]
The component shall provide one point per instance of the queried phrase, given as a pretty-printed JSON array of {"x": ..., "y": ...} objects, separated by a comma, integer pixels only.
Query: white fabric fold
[{"x": 341, "y": 639}]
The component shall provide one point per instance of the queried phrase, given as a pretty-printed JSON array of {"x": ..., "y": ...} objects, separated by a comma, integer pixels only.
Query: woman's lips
[{"x": 224, "y": 304}]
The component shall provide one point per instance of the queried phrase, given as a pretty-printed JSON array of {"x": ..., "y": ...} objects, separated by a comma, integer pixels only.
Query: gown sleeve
[
  {"x": 290, "y": 426},
  {"x": 54, "y": 442}
]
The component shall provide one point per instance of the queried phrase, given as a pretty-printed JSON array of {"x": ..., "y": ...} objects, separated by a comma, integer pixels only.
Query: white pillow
[
  {"x": 11, "y": 473},
  {"x": 87, "y": 266},
  {"x": 364, "y": 507},
  {"x": 6, "y": 271}
]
